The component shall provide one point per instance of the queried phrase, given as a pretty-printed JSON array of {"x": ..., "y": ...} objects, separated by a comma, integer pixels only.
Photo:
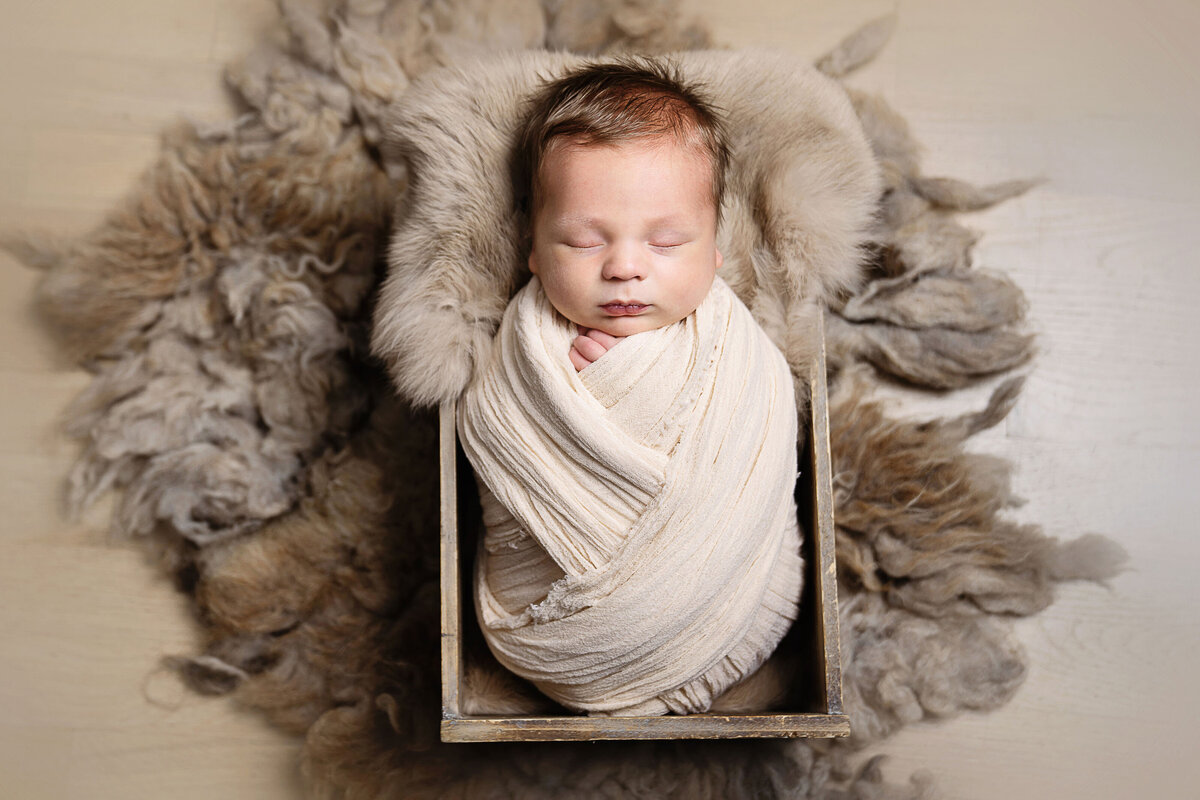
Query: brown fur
[{"x": 263, "y": 460}]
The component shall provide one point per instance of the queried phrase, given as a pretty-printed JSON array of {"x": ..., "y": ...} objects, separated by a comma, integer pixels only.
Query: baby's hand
[{"x": 589, "y": 345}]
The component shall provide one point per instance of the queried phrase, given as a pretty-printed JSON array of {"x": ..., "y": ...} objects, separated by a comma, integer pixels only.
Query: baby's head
[{"x": 626, "y": 165}]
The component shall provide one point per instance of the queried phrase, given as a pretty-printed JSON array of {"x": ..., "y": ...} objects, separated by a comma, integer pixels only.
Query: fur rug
[{"x": 224, "y": 310}]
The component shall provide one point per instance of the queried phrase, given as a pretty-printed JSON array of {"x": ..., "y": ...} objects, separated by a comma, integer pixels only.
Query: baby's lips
[{"x": 618, "y": 308}]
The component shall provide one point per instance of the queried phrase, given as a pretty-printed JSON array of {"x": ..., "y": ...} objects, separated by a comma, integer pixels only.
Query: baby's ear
[
  {"x": 720, "y": 259},
  {"x": 532, "y": 262}
]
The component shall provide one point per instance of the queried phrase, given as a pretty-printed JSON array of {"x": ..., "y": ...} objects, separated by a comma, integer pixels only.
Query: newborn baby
[{"x": 634, "y": 432}]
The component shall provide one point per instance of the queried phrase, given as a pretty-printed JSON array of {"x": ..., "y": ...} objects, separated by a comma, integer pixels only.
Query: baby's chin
[{"x": 629, "y": 325}]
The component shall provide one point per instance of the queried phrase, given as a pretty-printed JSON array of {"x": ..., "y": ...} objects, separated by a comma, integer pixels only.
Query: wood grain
[
  {"x": 451, "y": 592},
  {"x": 692, "y": 726},
  {"x": 822, "y": 527}
]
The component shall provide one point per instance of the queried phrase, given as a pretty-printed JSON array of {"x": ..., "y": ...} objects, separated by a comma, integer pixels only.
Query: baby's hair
[{"x": 635, "y": 97}]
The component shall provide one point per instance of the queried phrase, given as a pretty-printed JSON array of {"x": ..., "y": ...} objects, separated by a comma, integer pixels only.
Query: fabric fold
[{"x": 642, "y": 546}]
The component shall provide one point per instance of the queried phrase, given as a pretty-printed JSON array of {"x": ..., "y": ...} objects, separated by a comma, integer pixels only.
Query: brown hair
[{"x": 634, "y": 97}]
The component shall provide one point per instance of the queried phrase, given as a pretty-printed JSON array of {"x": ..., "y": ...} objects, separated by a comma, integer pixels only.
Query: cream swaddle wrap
[{"x": 642, "y": 546}]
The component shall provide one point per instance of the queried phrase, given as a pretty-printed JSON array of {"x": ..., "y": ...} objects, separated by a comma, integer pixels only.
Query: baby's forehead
[
  {"x": 556, "y": 169},
  {"x": 560, "y": 148}
]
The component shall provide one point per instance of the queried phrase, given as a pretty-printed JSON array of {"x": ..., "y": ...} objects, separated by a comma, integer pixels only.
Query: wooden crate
[{"x": 814, "y": 636}]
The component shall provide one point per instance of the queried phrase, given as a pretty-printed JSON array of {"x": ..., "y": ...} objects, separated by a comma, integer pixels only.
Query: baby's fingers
[
  {"x": 589, "y": 348},
  {"x": 600, "y": 337},
  {"x": 577, "y": 360}
]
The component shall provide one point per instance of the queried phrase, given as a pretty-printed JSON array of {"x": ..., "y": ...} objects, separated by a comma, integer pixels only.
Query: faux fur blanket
[
  {"x": 802, "y": 192},
  {"x": 642, "y": 551},
  {"x": 224, "y": 310}
]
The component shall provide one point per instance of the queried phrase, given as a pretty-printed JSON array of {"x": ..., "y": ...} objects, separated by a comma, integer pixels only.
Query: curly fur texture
[
  {"x": 802, "y": 191},
  {"x": 224, "y": 310}
]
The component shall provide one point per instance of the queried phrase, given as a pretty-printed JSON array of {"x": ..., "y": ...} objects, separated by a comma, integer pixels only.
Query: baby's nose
[{"x": 624, "y": 263}]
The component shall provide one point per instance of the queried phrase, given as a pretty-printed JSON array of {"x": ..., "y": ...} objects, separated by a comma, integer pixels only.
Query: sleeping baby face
[{"x": 624, "y": 236}]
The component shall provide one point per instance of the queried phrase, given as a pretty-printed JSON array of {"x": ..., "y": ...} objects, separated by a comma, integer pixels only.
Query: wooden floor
[{"x": 1101, "y": 98}]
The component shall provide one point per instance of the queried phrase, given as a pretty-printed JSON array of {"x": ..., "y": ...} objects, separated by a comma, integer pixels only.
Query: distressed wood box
[{"x": 816, "y": 689}]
